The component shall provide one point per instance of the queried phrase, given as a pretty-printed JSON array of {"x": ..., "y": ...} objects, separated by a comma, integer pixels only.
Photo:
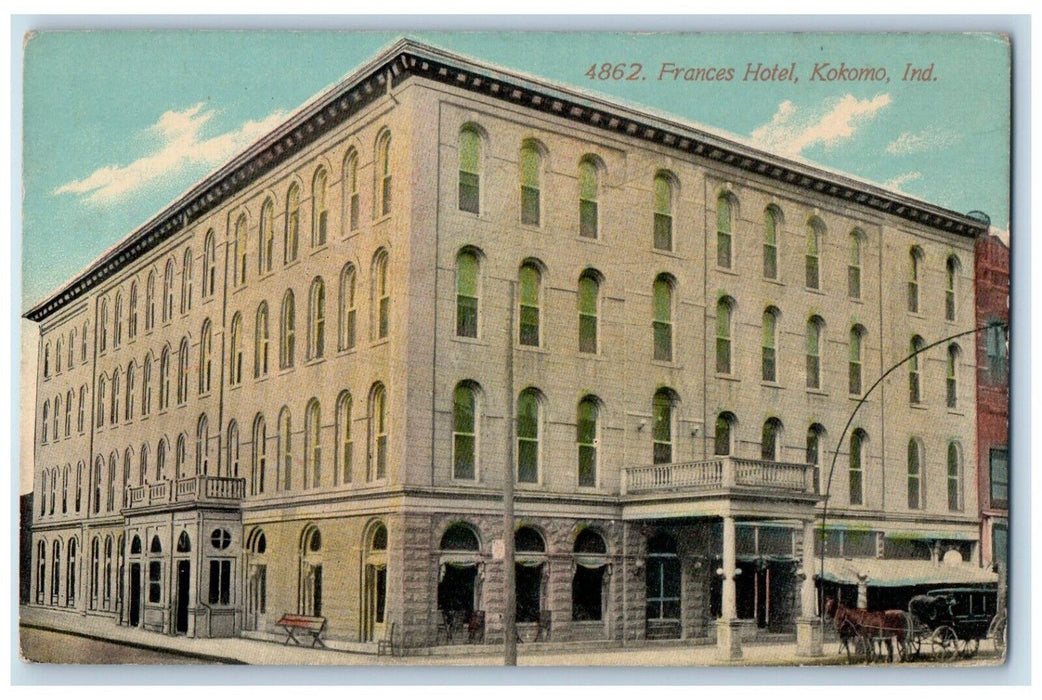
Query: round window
[{"x": 220, "y": 539}]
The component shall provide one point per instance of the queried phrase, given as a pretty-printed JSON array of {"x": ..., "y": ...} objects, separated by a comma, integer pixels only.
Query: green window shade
[
  {"x": 723, "y": 338},
  {"x": 953, "y": 478},
  {"x": 855, "y": 469},
  {"x": 662, "y": 323},
  {"x": 467, "y": 295},
  {"x": 769, "y": 369},
  {"x": 913, "y": 475},
  {"x": 663, "y": 214},
  {"x": 586, "y": 436},
  {"x": 530, "y": 184},
  {"x": 469, "y": 171},
  {"x": 770, "y": 245},
  {"x": 587, "y": 314},
  {"x": 527, "y": 438},
  {"x": 464, "y": 433},
  {"x": 588, "y": 199},
  {"x": 662, "y": 429},
  {"x": 529, "y": 321},
  {"x": 723, "y": 232}
]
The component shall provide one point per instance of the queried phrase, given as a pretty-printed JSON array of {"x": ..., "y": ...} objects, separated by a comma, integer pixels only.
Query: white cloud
[
  {"x": 925, "y": 140},
  {"x": 179, "y": 147},
  {"x": 794, "y": 129},
  {"x": 898, "y": 182}
]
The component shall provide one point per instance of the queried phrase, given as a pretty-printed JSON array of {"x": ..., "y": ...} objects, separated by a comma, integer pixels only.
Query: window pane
[
  {"x": 663, "y": 231},
  {"x": 463, "y": 451},
  {"x": 587, "y": 218},
  {"x": 470, "y": 151},
  {"x": 469, "y": 194}
]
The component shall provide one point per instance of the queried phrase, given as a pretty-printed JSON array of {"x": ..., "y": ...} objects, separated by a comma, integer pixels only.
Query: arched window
[
  {"x": 768, "y": 345},
  {"x": 527, "y": 539},
  {"x": 383, "y": 173},
  {"x": 202, "y": 446},
  {"x": 529, "y": 432},
  {"x": 182, "y": 372},
  {"x": 57, "y": 414},
  {"x": 857, "y": 335},
  {"x": 814, "y": 435},
  {"x": 261, "y": 342},
  {"x": 95, "y": 571},
  {"x": 205, "y": 357},
  {"x": 464, "y": 431},
  {"x": 285, "y": 450},
  {"x": 291, "y": 237},
  {"x": 143, "y": 465},
  {"x": 589, "y": 187},
  {"x": 914, "y": 385},
  {"x": 312, "y": 445},
  {"x": 319, "y": 210},
  {"x": 266, "y": 237},
  {"x": 58, "y": 356},
  {"x": 814, "y": 327},
  {"x": 186, "y": 282},
  {"x": 131, "y": 317},
  {"x": 589, "y": 304},
  {"x": 150, "y": 309},
  {"x": 128, "y": 409},
  {"x": 467, "y": 294},
  {"x": 723, "y": 438},
  {"x": 72, "y": 339},
  {"x": 854, "y": 267},
  {"x": 915, "y": 259},
  {"x": 180, "y": 456},
  {"x": 102, "y": 392},
  {"x": 952, "y": 381},
  {"x": 530, "y": 282},
  {"x": 459, "y": 537},
  {"x": 381, "y": 296},
  {"x": 342, "y": 468},
  {"x": 83, "y": 342},
  {"x": 240, "y": 251},
  {"x": 378, "y": 430},
  {"x": 71, "y": 566},
  {"x": 68, "y": 411},
  {"x": 317, "y": 319},
  {"x": 103, "y": 339},
  {"x": 587, "y": 438},
  {"x": 915, "y": 474},
  {"x": 662, "y": 426},
  {"x": 114, "y": 412},
  {"x": 161, "y": 459},
  {"x": 41, "y": 570},
  {"x": 724, "y": 310},
  {"x": 107, "y": 573},
  {"x": 259, "y": 461},
  {"x": 232, "y": 469},
  {"x": 184, "y": 542},
  {"x": 954, "y": 477},
  {"x": 209, "y": 264},
  {"x": 168, "y": 291},
  {"x": 663, "y": 238},
  {"x": 469, "y": 170},
  {"x": 146, "y": 386},
  {"x": 117, "y": 325},
  {"x": 235, "y": 351},
  {"x": 724, "y": 226},
  {"x": 347, "y": 319},
  {"x": 286, "y": 334},
  {"x": 531, "y": 183},
  {"x": 128, "y": 461},
  {"x": 770, "y": 442},
  {"x": 771, "y": 219},
  {"x": 80, "y": 482},
  {"x": 351, "y": 188},
  {"x": 856, "y": 470},
  {"x": 56, "y": 560},
  {"x": 110, "y": 500},
  {"x": 44, "y": 476},
  {"x": 46, "y": 422},
  {"x": 662, "y": 319},
  {"x": 47, "y": 350},
  {"x": 812, "y": 258},
  {"x": 951, "y": 278}
]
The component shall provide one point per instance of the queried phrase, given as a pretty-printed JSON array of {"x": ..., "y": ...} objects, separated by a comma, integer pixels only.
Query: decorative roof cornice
[{"x": 406, "y": 58}]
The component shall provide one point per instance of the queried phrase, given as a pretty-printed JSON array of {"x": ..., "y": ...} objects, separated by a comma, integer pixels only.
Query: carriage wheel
[
  {"x": 915, "y": 641},
  {"x": 969, "y": 649},
  {"x": 946, "y": 643},
  {"x": 864, "y": 647}
]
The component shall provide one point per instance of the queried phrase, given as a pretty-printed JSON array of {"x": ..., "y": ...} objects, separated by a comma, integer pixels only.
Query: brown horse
[{"x": 867, "y": 627}]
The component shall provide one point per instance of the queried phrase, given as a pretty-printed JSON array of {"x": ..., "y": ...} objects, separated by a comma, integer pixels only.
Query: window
[
  {"x": 812, "y": 257},
  {"x": 58, "y": 356},
  {"x": 41, "y": 570},
  {"x": 128, "y": 460},
  {"x": 80, "y": 468},
  {"x": 285, "y": 450},
  {"x": 769, "y": 362},
  {"x": 662, "y": 320},
  {"x": 70, "y": 575},
  {"x": 469, "y": 170},
  {"x": 150, "y": 309},
  {"x": 57, "y": 414},
  {"x": 146, "y": 387},
  {"x": 202, "y": 446},
  {"x": 260, "y": 342},
  {"x": 83, "y": 342},
  {"x": 529, "y": 430},
  {"x": 467, "y": 294},
  {"x": 857, "y": 335},
  {"x": 856, "y": 470},
  {"x": 724, "y": 309},
  {"x": 291, "y": 237},
  {"x": 587, "y": 439},
  {"x": 951, "y": 382},
  {"x": 117, "y": 326},
  {"x": 131, "y": 319},
  {"x": 205, "y": 357},
  {"x": 72, "y": 337},
  {"x": 663, "y": 229},
  {"x": 662, "y": 579},
  {"x": 68, "y": 411},
  {"x": 317, "y": 319},
  {"x": 854, "y": 267},
  {"x": 110, "y": 501},
  {"x": 103, "y": 340},
  {"x": 168, "y": 291},
  {"x": 161, "y": 459},
  {"x": 381, "y": 296},
  {"x": 589, "y": 300},
  {"x": 347, "y": 323},
  {"x": 286, "y": 339},
  {"x": 530, "y": 281},
  {"x": 220, "y": 581},
  {"x": 998, "y": 467},
  {"x": 102, "y": 386},
  {"x": 186, "y": 282},
  {"x": 351, "y": 188},
  {"x": 723, "y": 439},
  {"x": 915, "y": 261},
  {"x": 128, "y": 409},
  {"x": 771, "y": 439},
  {"x": 531, "y": 177},
  {"x": 182, "y": 372},
  {"x": 345, "y": 446},
  {"x": 209, "y": 264},
  {"x": 312, "y": 445},
  {"x": 662, "y": 427},
  {"x": 155, "y": 581},
  {"x": 589, "y": 186},
  {"x": 464, "y": 432},
  {"x": 259, "y": 455},
  {"x": 114, "y": 412},
  {"x": 142, "y": 466},
  {"x": 814, "y": 435},
  {"x": 378, "y": 432},
  {"x": 180, "y": 454},
  {"x": 951, "y": 280},
  {"x": 914, "y": 395},
  {"x": 996, "y": 348},
  {"x": 771, "y": 219},
  {"x": 266, "y": 237},
  {"x": 724, "y": 223},
  {"x": 319, "y": 210},
  {"x": 915, "y": 476},
  {"x": 232, "y": 462},
  {"x": 46, "y": 422},
  {"x": 589, "y": 568},
  {"x": 954, "y": 477},
  {"x": 814, "y": 328},
  {"x": 383, "y": 173},
  {"x": 56, "y": 553},
  {"x": 239, "y": 260},
  {"x": 81, "y": 411}
]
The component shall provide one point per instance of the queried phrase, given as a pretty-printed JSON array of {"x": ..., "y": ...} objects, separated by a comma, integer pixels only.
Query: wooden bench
[{"x": 304, "y": 625}]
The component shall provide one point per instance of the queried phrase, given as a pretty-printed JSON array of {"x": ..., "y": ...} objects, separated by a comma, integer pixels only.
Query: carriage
[{"x": 953, "y": 621}]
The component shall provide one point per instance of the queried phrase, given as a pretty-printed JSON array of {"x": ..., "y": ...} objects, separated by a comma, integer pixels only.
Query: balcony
[
  {"x": 723, "y": 485},
  {"x": 201, "y": 490}
]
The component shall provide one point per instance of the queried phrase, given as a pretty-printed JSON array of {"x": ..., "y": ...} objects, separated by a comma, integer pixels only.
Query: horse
[{"x": 868, "y": 626}]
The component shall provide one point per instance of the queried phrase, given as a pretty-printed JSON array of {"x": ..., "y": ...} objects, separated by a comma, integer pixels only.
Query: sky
[{"x": 117, "y": 124}]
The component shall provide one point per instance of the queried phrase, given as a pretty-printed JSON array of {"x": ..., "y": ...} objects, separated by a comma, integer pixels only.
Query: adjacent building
[{"x": 301, "y": 386}]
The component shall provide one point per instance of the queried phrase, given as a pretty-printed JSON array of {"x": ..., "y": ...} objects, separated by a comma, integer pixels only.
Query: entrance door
[
  {"x": 256, "y": 596},
  {"x": 181, "y": 614},
  {"x": 375, "y": 601},
  {"x": 662, "y": 589},
  {"x": 135, "y": 594}
]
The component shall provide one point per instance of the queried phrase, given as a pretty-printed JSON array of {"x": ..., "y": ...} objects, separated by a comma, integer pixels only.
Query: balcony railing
[
  {"x": 205, "y": 489},
  {"x": 721, "y": 473}
]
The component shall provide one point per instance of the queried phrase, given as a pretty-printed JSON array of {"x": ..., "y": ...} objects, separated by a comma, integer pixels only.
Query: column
[
  {"x": 728, "y": 635},
  {"x": 808, "y": 624}
]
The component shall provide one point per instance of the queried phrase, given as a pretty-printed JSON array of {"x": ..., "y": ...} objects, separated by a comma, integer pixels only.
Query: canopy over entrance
[{"x": 895, "y": 572}]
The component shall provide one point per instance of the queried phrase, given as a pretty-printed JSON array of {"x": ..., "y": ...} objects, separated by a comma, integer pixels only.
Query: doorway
[
  {"x": 135, "y": 594},
  {"x": 183, "y": 587},
  {"x": 456, "y": 589},
  {"x": 375, "y": 601}
]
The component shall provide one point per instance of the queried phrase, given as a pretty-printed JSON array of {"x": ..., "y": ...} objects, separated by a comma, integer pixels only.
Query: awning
[{"x": 897, "y": 572}]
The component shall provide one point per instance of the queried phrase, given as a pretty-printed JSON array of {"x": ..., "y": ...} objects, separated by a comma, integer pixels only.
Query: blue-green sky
[{"x": 118, "y": 124}]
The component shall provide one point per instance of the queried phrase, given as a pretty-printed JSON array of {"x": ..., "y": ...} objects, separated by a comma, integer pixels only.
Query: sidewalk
[{"x": 237, "y": 650}]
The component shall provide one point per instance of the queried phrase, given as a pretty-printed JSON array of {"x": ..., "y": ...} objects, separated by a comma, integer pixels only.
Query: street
[{"x": 46, "y": 646}]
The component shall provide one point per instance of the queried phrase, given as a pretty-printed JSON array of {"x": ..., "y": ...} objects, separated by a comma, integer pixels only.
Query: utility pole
[{"x": 509, "y": 594}]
